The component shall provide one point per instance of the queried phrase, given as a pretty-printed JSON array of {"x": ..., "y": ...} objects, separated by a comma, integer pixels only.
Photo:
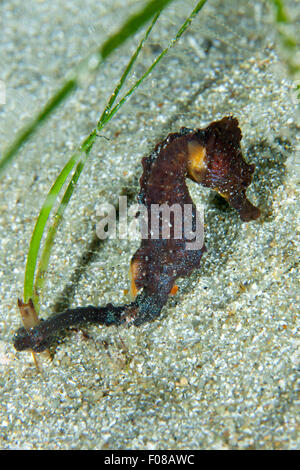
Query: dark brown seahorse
[{"x": 211, "y": 157}]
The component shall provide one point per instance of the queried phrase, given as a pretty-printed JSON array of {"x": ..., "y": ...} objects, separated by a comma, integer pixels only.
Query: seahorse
[{"x": 211, "y": 157}]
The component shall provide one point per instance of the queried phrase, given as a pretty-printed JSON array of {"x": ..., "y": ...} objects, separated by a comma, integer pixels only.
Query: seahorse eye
[{"x": 196, "y": 162}]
